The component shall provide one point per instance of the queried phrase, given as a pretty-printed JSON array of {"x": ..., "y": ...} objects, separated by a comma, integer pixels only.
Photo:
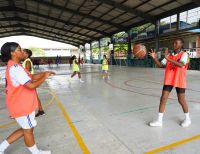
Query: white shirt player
[{"x": 18, "y": 75}]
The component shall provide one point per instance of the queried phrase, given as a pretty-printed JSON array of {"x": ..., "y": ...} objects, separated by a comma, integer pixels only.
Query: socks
[
  {"x": 4, "y": 145},
  {"x": 160, "y": 117},
  {"x": 187, "y": 116},
  {"x": 33, "y": 149}
]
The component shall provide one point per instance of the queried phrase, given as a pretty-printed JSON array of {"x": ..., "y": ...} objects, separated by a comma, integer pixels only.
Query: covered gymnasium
[{"x": 112, "y": 116}]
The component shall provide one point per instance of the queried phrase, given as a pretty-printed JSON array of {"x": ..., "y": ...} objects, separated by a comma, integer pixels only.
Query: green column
[
  {"x": 85, "y": 58},
  {"x": 157, "y": 43},
  {"x": 90, "y": 52},
  {"x": 112, "y": 54},
  {"x": 129, "y": 56},
  {"x": 99, "y": 54}
]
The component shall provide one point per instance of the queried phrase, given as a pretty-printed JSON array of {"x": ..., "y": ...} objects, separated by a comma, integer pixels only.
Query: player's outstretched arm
[
  {"x": 155, "y": 59},
  {"x": 36, "y": 83},
  {"x": 39, "y": 75}
]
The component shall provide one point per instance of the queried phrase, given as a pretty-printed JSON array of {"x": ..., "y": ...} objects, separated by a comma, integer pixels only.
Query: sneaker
[
  {"x": 44, "y": 152},
  {"x": 156, "y": 124},
  {"x": 1, "y": 152},
  {"x": 186, "y": 123},
  {"x": 40, "y": 113},
  {"x": 81, "y": 81}
]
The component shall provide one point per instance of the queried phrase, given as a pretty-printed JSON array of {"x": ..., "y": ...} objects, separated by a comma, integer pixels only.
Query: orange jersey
[
  {"x": 20, "y": 100},
  {"x": 174, "y": 75}
]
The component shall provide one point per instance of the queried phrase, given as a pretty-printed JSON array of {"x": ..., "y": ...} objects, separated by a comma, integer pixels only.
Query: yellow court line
[
  {"x": 72, "y": 127},
  {"x": 14, "y": 122},
  {"x": 8, "y": 124},
  {"x": 173, "y": 144}
]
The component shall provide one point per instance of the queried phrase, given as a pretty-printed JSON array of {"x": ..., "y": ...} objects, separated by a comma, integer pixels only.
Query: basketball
[{"x": 139, "y": 50}]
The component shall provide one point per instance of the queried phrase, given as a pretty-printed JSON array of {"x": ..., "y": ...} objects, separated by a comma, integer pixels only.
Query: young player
[
  {"x": 21, "y": 98},
  {"x": 105, "y": 67},
  {"x": 28, "y": 65},
  {"x": 175, "y": 76},
  {"x": 75, "y": 69}
]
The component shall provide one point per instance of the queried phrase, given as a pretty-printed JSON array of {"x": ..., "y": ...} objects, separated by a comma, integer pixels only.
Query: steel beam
[
  {"x": 112, "y": 3},
  {"x": 46, "y": 25},
  {"x": 20, "y": 10},
  {"x": 77, "y": 13}
]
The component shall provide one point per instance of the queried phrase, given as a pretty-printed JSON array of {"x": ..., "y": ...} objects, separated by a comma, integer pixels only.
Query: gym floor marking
[
  {"x": 14, "y": 122},
  {"x": 166, "y": 147},
  {"x": 72, "y": 127}
]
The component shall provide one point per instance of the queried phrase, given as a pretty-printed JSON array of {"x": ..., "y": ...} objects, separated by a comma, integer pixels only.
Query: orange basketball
[{"x": 139, "y": 50}]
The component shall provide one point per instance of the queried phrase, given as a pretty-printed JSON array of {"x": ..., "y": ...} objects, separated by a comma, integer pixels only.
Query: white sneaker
[
  {"x": 156, "y": 123},
  {"x": 81, "y": 81},
  {"x": 44, "y": 152},
  {"x": 186, "y": 123},
  {"x": 107, "y": 78}
]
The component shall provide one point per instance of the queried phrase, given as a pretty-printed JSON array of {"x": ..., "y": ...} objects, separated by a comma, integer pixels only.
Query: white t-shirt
[
  {"x": 183, "y": 59},
  {"x": 18, "y": 76}
]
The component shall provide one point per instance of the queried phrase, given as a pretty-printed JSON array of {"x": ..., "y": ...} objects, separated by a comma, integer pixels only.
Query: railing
[{"x": 193, "y": 52}]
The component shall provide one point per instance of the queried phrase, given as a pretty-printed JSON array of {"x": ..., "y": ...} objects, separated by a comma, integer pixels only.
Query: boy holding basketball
[{"x": 175, "y": 76}]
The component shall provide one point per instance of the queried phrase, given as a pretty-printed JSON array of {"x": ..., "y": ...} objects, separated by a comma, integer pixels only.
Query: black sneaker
[{"x": 40, "y": 113}]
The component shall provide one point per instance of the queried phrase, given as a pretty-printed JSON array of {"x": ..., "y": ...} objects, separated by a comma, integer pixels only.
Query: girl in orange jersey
[
  {"x": 21, "y": 98},
  {"x": 175, "y": 76}
]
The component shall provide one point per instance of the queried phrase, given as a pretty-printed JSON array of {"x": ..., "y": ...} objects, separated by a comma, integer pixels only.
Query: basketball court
[
  {"x": 110, "y": 116},
  {"x": 107, "y": 116}
]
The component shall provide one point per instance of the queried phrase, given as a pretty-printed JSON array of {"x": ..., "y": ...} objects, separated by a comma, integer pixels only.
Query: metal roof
[{"x": 78, "y": 22}]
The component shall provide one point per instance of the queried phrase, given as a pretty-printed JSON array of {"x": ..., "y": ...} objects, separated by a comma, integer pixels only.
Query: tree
[{"x": 37, "y": 52}]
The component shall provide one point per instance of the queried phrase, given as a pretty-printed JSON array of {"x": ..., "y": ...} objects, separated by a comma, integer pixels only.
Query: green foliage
[
  {"x": 120, "y": 34},
  {"x": 105, "y": 49},
  {"x": 121, "y": 47},
  {"x": 104, "y": 41},
  {"x": 95, "y": 50},
  {"x": 143, "y": 28},
  {"x": 37, "y": 52}
]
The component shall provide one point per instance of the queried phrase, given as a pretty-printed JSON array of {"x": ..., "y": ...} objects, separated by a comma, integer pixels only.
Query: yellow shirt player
[
  {"x": 28, "y": 65},
  {"x": 75, "y": 69},
  {"x": 105, "y": 67}
]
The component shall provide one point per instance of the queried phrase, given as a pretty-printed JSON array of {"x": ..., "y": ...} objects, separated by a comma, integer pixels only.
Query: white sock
[
  {"x": 160, "y": 117},
  {"x": 187, "y": 116},
  {"x": 33, "y": 149},
  {"x": 4, "y": 145}
]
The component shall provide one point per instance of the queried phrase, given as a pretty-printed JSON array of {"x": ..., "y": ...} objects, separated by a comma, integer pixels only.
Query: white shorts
[{"x": 27, "y": 122}]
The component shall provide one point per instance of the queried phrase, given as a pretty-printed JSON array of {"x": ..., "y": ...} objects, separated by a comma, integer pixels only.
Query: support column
[
  {"x": 157, "y": 43},
  {"x": 157, "y": 35},
  {"x": 178, "y": 22},
  {"x": 99, "y": 54},
  {"x": 112, "y": 52},
  {"x": 79, "y": 52},
  {"x": 85, "y": 57},
  {"x": 91, "y": 53},
  {"x": 129, "y": 56}
]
